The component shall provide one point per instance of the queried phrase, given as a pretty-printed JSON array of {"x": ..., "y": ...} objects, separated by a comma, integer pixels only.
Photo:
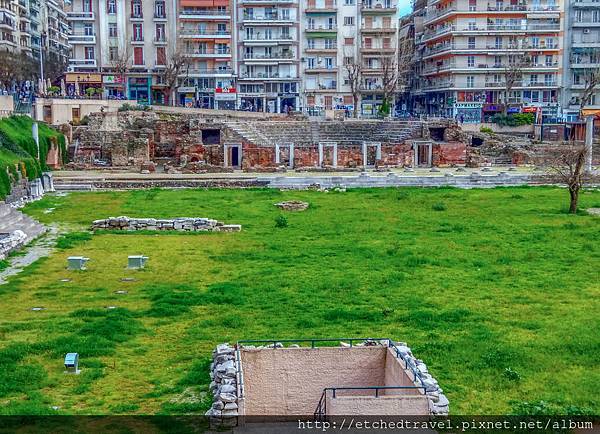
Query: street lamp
[{"x": 42, "y": 46}]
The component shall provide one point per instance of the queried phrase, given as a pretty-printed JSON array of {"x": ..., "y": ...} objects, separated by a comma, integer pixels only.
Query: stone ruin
[
  {"x": 292, "y": 205},
  {"x": 371, "y": 377},
  {"x": 202, "y": 143},
  {"x": 11, "y": 241},
  {"x": 189, "y": 224}
]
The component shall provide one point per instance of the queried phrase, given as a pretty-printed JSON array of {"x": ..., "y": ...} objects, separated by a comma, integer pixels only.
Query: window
[
  {"x": 87, "y": 6},
  {"x": 138, "y": 32},
  {"x": 310, "y": 44},
  {"x": 112, "y": 30},
  {"x": 549, "y": 60},
  {"x": 310, "y": 63},
  {"x": 348, "y": 2},
  {"x": 329, "y": 62},
  {"x": 348, "y": 60},
  {"x": 136, "y": 9},
  {"x": 138, "y": 56},
  {"x": 348, "y": 41},
  {"x": 111, "y": 6},
  {"x": 471, "y": 61},
  {"x": 471, "y": 44},
  {"x": 533, "y": 78},
  {"x": 113, "y": 53},
  {"x": 89, "y": 53},
  {"x": 348, "y": 21},
  {"x": 161, "y": 56},
  {"x": 88, "y": 30},
  {"x": 159, "y": 9},
  {"x": 470, "y": 81},
  {"x": 160, "y": 32},
  {"x": 330, "y": 44}
]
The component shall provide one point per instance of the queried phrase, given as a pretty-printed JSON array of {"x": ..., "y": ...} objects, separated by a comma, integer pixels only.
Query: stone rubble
[
  {"x": 13, "y": 241},
  {"x": 223, "y": 386},
  {"x": 292, "y": 205},
  {"x": 189, "y": 224}
]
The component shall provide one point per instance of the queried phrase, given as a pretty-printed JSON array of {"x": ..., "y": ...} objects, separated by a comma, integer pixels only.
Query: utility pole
[{"x": 42, "y": 47}]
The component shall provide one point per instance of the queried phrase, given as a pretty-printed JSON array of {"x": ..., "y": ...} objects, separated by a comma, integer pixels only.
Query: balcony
[
  {"x": 217, "y": 15},
  {"x": 208, "y": 54},
  {"x": 378, "y": 30},
  {"x": 260, "y": 39},
  {"x": 76, "y": 39},
  {"x": 377, "y": 8},
  {"x": 268, "y": 20},
  {"x": 266, "y": 76},
  {"x": 266, "y": 2},
  {"x": 585, "y": 23},
  {"x": 330, "y": 7},
  {"x": 203, "y": 72},
  {"x": 82, "y": 63},
  {"x": 585, "y": 64},
  {"x": 81, "y": 16},
  {"x": 320, "y": 69},
  {"x": 434, "y": 69},
  {"x": 204, "y": 34},
  {"x": 584, "y": 4},
  {"x": 321, "y": 49},
  {"x": 273, "y": 57},
  {"x": 137, "y": 40},
  {"x": 369, "y": 49},
  {"x": 138, "y": 16}
]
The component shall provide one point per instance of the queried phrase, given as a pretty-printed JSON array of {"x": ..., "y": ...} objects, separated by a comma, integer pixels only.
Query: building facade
[
  {"x": 582, "y": 54},
  {"x": 342, "y": 33},
  {"x": 479, "y": 58},
  {"x": 122, "y": 47},
  {"x": 28, "y": 26},
  {"x": 206, "y": 37},
  {"x": 268, "y": 35}
]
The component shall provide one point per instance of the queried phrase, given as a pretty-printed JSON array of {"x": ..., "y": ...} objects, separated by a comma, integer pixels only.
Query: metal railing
[{"x": 321, "y": 410}]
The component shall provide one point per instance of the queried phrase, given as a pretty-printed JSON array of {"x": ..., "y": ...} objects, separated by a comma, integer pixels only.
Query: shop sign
[
  {"x": 186, "y": 90},
  {"x": 112, "y": 79},
  {"x": 529, "y": 109},
  {"x": 83, "y": 78}
]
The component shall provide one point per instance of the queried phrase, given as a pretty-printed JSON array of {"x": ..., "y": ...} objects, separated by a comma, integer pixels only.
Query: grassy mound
[{"x": 18, "y": 150}]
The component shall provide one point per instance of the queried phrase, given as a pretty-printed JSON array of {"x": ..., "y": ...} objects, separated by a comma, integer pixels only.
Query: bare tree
[
  {"x": 406, "y": 52},
  {"x": 591, "y": 79},
  {"x": 120, "y": 63},
  {"x": 55, "y": 66},
  {"x": 566, "y": 165},
  {"x": 174, "y": 66},
  {"x": 518, "y": 58},
  {"x": 389, "y": 81},
  {"x": 353, "y": 70}
]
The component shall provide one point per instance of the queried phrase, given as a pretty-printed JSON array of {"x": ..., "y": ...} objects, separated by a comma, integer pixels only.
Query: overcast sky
[{"x": 404, "y": 6}]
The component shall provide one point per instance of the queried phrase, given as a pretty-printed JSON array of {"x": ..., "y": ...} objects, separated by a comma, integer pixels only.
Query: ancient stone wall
[
  {"x": 10, "y": 242},
  {"x": 188, "y": 224}
]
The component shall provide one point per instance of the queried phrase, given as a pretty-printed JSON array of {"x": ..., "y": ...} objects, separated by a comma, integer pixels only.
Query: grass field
[{"x": 496, "y": 290}]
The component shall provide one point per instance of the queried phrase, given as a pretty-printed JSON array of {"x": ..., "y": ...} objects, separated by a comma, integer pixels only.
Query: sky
[{"x": 404, "y": 6}]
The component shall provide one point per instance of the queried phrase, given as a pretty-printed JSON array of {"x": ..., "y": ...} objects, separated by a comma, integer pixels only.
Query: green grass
[
  {"x": 496, "y": 290},
  {"x": 18, "y": 150}
]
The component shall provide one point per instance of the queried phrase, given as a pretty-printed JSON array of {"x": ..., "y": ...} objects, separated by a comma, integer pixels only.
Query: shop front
[
  {"x": 225, "y": 98},
  {"x": 83, "y": 84},
  {"x": 186, "y": 96},
  {"x": 252, "y": 102},
  {"x": 490, "y": 110},
  {"x": 114, "y": 86},
  {"x": 140, "y": 89},
  {"x": 468, "y": 112}
]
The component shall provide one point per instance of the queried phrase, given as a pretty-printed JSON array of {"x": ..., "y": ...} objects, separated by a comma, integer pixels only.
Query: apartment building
[
  {"x": 122, "y": 46},
  {"x": 582, "y": 54},
  {"x": 206, "y": 38},
  {"x": 28, "y": 25},
  {"x": 337, "y": 33},
  {"x": 470, "y": 49},
  {"x": 268, "y": 35}
]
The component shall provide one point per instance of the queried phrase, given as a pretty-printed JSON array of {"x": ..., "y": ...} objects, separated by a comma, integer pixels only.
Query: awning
[{"x": 590, "y": 112}]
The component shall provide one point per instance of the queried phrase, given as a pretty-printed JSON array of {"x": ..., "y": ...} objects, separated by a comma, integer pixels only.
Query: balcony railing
[
  {"x": 205, "y": 32},
  {"x": 82, "y": 39},
  {"x": 84, "y": 16},
  {"x": 205, "y": 71},
  {"x": 267, "y": 75},
  {"x": 91, "y": 63},
  {"x": 268, "y": 56},
  {"x": 248, "y": 17},
  {"x": 207, "y": 52},
  {"x": 268, "y": 38}
]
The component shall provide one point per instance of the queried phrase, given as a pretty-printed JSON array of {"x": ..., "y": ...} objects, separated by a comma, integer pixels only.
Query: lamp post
[{"x": 42, "y": 47}]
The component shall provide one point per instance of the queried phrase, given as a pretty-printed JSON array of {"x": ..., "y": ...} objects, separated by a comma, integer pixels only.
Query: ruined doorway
[
  {"x": 328, "y": 154},
  {"x": 371, "y": 153},
  {"x": 422, "y": 154},
  {"x": 211, "y": 137},
  {"x": 284, "y": 155},
  {"x": 233, "y": 156}
]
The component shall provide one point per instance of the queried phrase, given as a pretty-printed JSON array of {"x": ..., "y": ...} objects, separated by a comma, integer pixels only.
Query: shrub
[
  {"x": 487, "y": 130},
  {"x": 511, "y": 374},
  {"x": 514, "y": 120},
  {"x": 281, "y": 222},
  {"x": 439, "y": 206}
]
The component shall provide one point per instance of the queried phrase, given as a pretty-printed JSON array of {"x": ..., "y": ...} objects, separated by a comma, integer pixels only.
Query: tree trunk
[
  {"x": 574, "y": 193},
  {"x": 355, "y": 109}
]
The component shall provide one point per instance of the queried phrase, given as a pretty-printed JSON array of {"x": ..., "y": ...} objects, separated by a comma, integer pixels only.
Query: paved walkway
[{"x": 39, "y": 248}]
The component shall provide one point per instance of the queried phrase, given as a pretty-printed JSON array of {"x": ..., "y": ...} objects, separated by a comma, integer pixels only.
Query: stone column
[
  {"x": 335, "y": 160},
  {"x": 291, "y": 155},
  {"x": 320, "y": 154},
  {"x": 430, "y": 155},
  {"x": 364, "y": 150},
  {"x": 276, "y": 153},
  {"x": 589, "y": 141}
]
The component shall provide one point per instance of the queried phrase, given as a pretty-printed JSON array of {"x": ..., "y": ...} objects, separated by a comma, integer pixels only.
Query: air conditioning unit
[
  {"x": 70, "y": 69},
  {"x": 586, "y": 31}
]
